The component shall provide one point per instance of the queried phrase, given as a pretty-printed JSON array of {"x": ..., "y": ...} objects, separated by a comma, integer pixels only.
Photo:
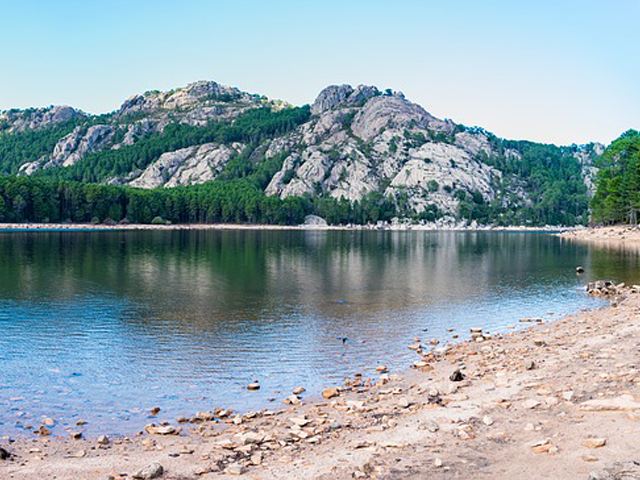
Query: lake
[{"x": 103, "y": 325}]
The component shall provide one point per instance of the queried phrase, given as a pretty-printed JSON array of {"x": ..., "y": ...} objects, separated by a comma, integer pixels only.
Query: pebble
[
  {"x": 330, "y": 392},
  {"x": 299, "y": 390},
  {"x": 594, "y": 442},
  {"x": 487, "y": 420},
  {"x": 300, "y": 421},
  {"x": 456, "y": 376},
  {"x": 432, "y": 426},
  {"x": 48, "y": 422},
  {"x": 161, "y": 430},
  {"x": 438, "y": 462},
  {"x": 103, "y": 440},
  {"x": 155, "y": 410},
  {"x": 403, "y": 402},
  {"x": 530, "y": 404},
  {"x": 235, "y": 469},
  {"x": 78, "y": 454},
  {"x": 4, "y": 454},
  {"x": 292, "y": 400},
  {"x": 543, "y": 446},
  {"x": 75, "y": 435},
  {"x": 253, "y": 386}
]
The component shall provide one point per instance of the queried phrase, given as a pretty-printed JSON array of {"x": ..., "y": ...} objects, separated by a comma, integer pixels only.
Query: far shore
[{"x": 240, "y": 226}]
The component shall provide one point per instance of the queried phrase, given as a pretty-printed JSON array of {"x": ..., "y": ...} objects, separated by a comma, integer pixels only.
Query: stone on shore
[
  {"x": 623, "y": 402},
  {"x": 330, "y": 392},
  {"x": 235, "y": 470},
  {"x": 4, "y": 454},
  {"x": 292, "y": 400},
  {"x": 594, "y": 442},
  {"x": 149, "y": 472},
  {"x": 161, "y": 430},
  {"x": 619, "y": 471}
]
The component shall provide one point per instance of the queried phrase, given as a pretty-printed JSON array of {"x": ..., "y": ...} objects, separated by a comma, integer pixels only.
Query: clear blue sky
[{"x": 555, "y": 71}]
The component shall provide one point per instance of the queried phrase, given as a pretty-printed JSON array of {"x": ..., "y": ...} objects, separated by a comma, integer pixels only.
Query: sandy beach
[{"x": 554, "y": 400}]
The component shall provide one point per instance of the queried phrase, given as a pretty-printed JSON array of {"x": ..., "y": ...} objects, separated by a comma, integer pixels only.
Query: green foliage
[
  {"x": 24, "y": 199},
  {"x": 251, "y": 127},
  {"x": 22, "y": 147},
  {"x": 414, "y": 140},
  {"x": 617, "y": 199},
  {"x": 550, "y": 176},
  {"x": 347, "y": 120}
]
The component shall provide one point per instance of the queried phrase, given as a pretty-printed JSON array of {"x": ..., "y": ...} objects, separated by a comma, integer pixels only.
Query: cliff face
[
  {"x": 357, "y": 141},
  {"x": 360, "y": 141}
]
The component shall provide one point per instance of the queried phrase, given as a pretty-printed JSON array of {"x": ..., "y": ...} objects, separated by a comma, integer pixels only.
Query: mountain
[{"x": 353, "y": 147}]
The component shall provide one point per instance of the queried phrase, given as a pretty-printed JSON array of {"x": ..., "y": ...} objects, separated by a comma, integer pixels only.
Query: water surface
[{"x": 103, "y": 325}]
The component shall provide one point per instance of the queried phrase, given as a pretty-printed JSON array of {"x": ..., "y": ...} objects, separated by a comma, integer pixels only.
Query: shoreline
[
  {"x": 526, "y": 396},
  {"x": 237, "y": 226},
  {"x": 615, "y": 235}
]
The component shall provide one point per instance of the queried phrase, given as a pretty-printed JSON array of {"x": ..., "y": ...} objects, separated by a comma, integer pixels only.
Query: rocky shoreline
[
  {"x": 557, "y": 400},
  {"x": 614, "y": 236},
  {"x": 394, "y": 226}
]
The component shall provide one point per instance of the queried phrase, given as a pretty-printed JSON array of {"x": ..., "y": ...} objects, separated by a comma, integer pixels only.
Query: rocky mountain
[{"x": 352, "y": 143}]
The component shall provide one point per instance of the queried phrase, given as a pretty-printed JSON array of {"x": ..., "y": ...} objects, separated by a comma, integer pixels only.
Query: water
[{"x": 102, "y": 326}]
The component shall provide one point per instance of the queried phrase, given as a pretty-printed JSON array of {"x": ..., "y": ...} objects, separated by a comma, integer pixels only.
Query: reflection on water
[{"x": 101, "y": 326}]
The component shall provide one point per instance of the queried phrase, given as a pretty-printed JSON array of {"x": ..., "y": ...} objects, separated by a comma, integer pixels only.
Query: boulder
[
  {"x": 314, "y": 221},
  {"x": 155, "y": 470}
]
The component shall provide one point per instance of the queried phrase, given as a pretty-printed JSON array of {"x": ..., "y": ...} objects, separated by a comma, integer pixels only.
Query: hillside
[{"x": 355, "y": 155}]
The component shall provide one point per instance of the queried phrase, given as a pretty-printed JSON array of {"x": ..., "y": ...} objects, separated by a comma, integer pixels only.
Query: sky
[{"x": 552, "y": 71}]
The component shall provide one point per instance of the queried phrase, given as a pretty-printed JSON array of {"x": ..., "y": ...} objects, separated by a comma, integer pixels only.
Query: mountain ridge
[{"x": 351, "y": 143}]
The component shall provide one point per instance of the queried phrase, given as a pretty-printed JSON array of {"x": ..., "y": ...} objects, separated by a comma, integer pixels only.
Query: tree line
[
  {"x": 25, "y": 199},
  {"x": 617, "y": 198}
]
